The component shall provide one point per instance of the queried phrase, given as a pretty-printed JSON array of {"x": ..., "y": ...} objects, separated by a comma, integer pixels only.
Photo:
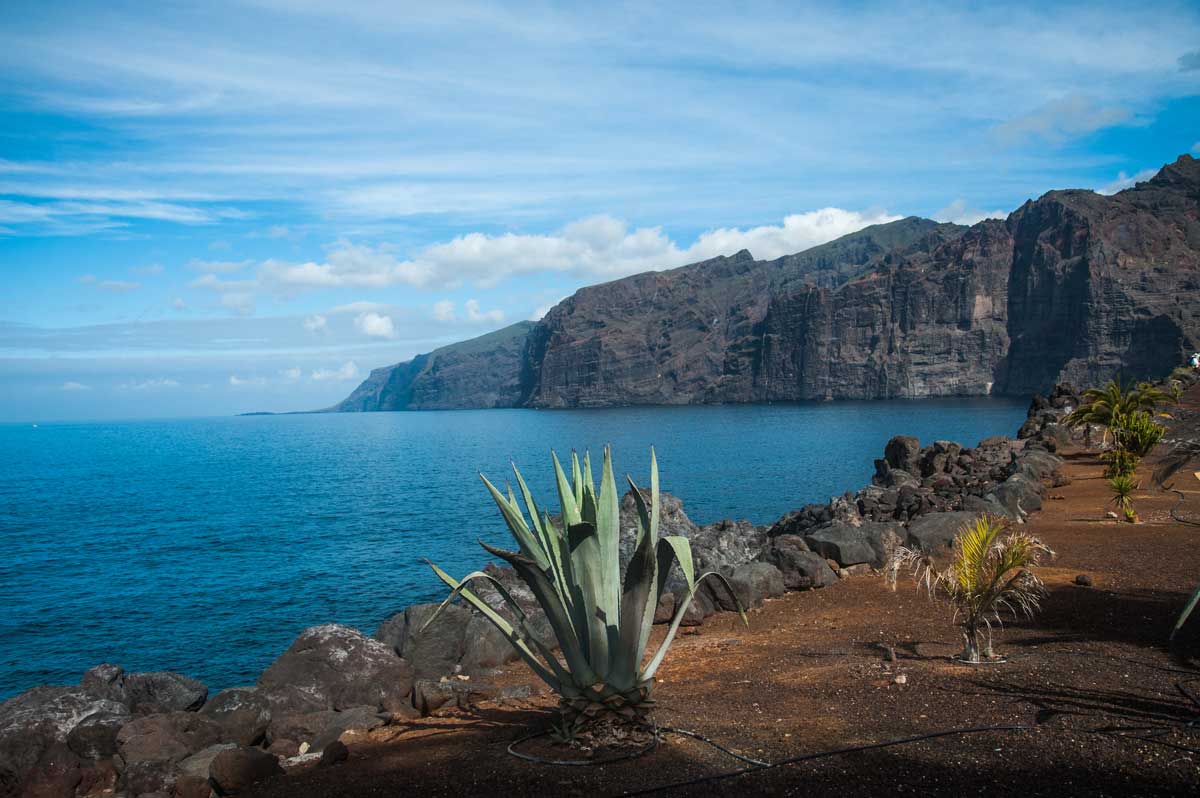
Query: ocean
[{"x": 206, "y": 545}]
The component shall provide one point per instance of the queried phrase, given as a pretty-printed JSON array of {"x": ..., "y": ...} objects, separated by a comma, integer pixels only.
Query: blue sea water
[{"x": 206, "y": 545}]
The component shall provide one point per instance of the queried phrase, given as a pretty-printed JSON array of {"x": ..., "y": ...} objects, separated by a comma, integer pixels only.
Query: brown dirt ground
[{"x": 1105, "y": 701}]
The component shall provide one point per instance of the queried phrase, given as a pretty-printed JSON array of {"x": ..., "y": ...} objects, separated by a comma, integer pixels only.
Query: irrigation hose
[{"x": 1175, "y": 510}]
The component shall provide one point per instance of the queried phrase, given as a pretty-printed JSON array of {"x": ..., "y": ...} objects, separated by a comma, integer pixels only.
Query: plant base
[
  {"x": 598, "y": 742},
  {"x": 995, "y": 659}
]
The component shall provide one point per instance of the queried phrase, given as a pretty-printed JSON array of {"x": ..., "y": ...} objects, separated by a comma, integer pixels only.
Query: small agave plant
[{"x": 601, "y": 622}]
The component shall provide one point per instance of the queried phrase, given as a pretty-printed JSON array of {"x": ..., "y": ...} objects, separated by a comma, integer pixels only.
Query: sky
[{"x": 221, "y": 207}]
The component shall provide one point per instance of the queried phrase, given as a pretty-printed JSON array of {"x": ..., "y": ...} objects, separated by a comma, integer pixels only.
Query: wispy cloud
[
  {"x": 348, "y": 371},
  {"x": 1062, "y": 119},
  {"x": 71, "y": 385},
  {"x": 1124, "y": 181},
  {"x": 960, "y": 212},
  {"x": 375, "y": 325}
]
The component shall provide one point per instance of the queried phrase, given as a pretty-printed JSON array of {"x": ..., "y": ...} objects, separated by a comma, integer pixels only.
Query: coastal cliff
[{"x": 1074, "y": 286}]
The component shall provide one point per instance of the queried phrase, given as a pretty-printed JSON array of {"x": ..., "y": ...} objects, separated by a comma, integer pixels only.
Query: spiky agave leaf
[{"x": 1187, "y": 611}]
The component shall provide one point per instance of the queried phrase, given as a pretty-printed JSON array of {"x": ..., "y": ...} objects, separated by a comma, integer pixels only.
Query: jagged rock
[
  {"x": 198, "y": 764},
  {"x": 486, "y": 647},
  {"x": 95, "y": 737},
  {"x": 353, "y": 719},
  {"x": 665, "y": 610},
  {"x": 242, "y": 713},
  {"x": 936, "y": 530},
  {"x": 163, "y": 691},
  {"x": 752, "y": 582},
  {"x": 901, "y": 453},
  {"x": 238, "y": 768},
  {"x": 192, "y": 786},
  {"x": 299, "y": 726},
  {"x": 431, "y": 651},
  {"x": 336, "y": 667},
  {"x": 166, "y": 737},
  {"x": 1019, "y": 495},
  {"x": 32, "y": 721},
  {"x": 800, "y": 568},
  {"x": 978, "y": 505},
  {"x": 57, "y": 774},
  {"x": 871, "y": 542},
  {"x": 335, "y": 753},
  {"x": 106, "y": 681},
  {"x": 100, "y": 779}
]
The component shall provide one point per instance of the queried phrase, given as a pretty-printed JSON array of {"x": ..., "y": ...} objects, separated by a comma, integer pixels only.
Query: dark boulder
[
  {"x": 799, "y": 567},
  {"x": 106, "y": 681},
  {"x": 168, "y": 737},
  {"x": 234, "y": 770},
  {"x": 336, "y": 667},
  {"x": 95, "y": 737},
  {"x": 752, "y": 582},
  {"x": 199, "y": 763},
  {"x": 485, "y": 647},
  {"x": 163, "y": 691},
  {"x": 353, "y": 719},
  {"x": 902, "y": 453},
  {"x": 32, "y": 721},
  {"x": 1019, "y": 495},
  {"x": 57, "y": 774},
  {"x": 334, "y": 754},
  {"x": 431, "y": 650},
  {"x": 301, "y": 727},
  {"x": 664, "y": 612},
  {"x": 937, "y": 530},
  {"x": 242, "y": 713},
  {"x": 871, "y": 542}
]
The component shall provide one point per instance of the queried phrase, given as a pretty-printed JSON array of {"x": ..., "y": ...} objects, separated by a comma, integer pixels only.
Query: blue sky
[{"x": 221, "y": 207}]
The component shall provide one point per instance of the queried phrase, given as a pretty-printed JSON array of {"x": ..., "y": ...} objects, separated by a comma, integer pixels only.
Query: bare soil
[{"x": 1103, "y": 705}]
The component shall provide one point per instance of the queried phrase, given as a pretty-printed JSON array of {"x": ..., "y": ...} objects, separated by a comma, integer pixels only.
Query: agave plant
[
  {"x": 1123, "y": 487},
  {"x": 988, "y": 574},
  {"x": 1187, "y": 610},
  {"x": 601, "y": 622}
]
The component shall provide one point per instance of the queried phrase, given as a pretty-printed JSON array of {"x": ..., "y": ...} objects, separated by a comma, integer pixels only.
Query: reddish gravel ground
[{"x": 1105, "y": 707}]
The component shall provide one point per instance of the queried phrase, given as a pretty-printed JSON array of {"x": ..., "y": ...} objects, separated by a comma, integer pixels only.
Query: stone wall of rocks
[{"x": 161, "y": 735}]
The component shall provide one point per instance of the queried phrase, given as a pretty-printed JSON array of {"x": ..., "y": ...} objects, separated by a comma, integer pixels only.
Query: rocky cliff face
[
  {"x": 1073, "y": 286},
  {"x": 481, "y": 372}
]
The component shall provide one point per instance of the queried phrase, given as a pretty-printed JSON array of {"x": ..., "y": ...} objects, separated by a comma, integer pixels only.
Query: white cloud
[
  {"x": 178, "y": 304},
  {"x": 240, "y": 302},
  {"x": 246, "y": 382},
  {"x": 542, "y": 310},
  {"x": 478, "y": 315},
  {"x": 1125, "y": 181},
  {"x": 960, "y": 213},
  {"x": 86, "y": 279},
  {"x": 375, "y": 325},
  {"x": 443, "y": 310},
  {"x": 150, "y": 384},
  {"x": 278, "y": 231},
  {"x": 75, "y": 386},
  {"x": 315, "y": 323},
  {"x": 119, "y": 286},
  {"x": 799, "y": 231},
  {"x": 153, "y": 268},
  {"x": 291, "y": 375},
  {"x": 1063, "y": 118},
  {"x": 217, "y": 266},
  {"x": 348, "y": 371}
]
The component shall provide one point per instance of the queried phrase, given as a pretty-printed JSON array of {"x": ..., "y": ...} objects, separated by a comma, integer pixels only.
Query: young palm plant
[
  {"x": 1105, "y": 406},
  {"x": 990, "y": 573},
  {"x": 1123, "y": 487},
  {"x": 601, "y": 623}
]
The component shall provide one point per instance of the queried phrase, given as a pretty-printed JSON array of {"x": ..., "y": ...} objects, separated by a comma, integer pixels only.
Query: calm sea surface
[{"x": 206, "y": 545}]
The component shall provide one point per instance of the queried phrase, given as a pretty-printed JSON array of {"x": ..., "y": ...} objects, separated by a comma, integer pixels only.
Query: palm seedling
[
  {"x": 1136, "y": 432},
  {"x": 1123, "y": 488},
  {"x": 1104, "y": 406},
  {"x": 989, "y": 574},
  {"x": 601, "y": 622}
]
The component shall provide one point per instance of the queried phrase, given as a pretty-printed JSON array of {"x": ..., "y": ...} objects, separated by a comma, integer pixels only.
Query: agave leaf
[
  {"x": 584, "y": 545},
  {"x": 655, "y": 505},
  {"x": 638, "y": 602},
  {"x": 608, "y": 533},
  {"x": 1187, "y": 611},
  {"x": 553, "y": 680},
  {"x": 543, "y": 590},
  {"x": 642, "y": 510},
  {"x": 576, "y": 479},
  {"x": 530, "y": 545},
  {"x": 547, "y": 535},
  {"x": 566, "y": 495}
]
